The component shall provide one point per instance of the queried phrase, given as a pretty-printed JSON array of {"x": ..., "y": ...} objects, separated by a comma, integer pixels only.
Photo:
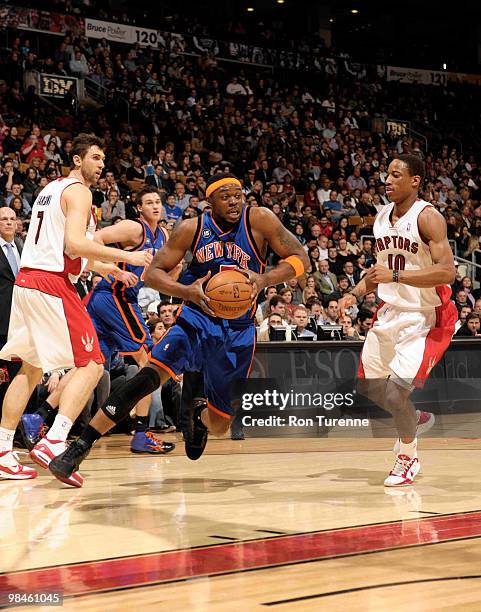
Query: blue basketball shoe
[
  {"x": 32, "y": 428},
  {"x": 146, "y": 442}
]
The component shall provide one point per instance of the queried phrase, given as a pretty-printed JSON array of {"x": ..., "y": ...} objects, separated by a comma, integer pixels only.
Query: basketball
[{"x": 229, "y": 293}]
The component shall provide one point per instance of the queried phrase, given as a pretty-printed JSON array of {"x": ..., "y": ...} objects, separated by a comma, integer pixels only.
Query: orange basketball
[{"x": 230, "y": 294}]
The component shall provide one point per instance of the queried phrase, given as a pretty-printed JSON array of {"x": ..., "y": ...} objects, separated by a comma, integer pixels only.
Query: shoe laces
[
  {"x": 150, "y": 435},
  {"x": 73, "y": 450},
  {"x": 42, "y": 432},
  {"x": 402, "y": 465}
]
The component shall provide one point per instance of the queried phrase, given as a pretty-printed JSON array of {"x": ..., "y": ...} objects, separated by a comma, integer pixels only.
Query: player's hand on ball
[
  {"x": 128, "y": 278},
  {"x": 379, "y": 274},
  {"x": 256, "y": 280},
  {"x": 346, "y": 302},
  {"x": 197, "y": 296},
  {"x": 140, "y": 258}
]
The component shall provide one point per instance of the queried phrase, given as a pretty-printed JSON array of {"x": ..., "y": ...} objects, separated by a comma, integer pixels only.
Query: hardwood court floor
[{"x": 287, "y": 524}]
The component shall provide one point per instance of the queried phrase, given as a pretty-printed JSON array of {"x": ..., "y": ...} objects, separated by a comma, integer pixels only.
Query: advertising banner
[
  {"x": 415, "y": 75},
  {"x": 55, "y": 86},
  {"x": 117, "y": 32}
]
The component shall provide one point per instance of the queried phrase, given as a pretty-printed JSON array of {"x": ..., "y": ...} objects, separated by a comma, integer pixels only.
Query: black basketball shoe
[
  {"x": 65, "y": 464},
  {"x": 195, "y": 436}
]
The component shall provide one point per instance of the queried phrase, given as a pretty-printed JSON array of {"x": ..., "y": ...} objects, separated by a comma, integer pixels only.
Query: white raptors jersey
[
  {"x": 44, "y": 247},
  {"x": 400, "y": 247}
]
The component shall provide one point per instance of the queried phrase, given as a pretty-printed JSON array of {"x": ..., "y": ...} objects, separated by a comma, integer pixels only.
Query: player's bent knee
[
  {"x": 95, "y": 368},
  {"x": 122, "y": 400},
  {"x": 396, "y": 394},
  {"x": 372, "y": 388}
]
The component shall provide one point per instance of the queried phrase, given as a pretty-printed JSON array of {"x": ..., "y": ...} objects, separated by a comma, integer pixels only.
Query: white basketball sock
[
  {"x": 6, "y": 439},
  {"x": 408, "y": 449},
  {"x": 60, "y": 428}
]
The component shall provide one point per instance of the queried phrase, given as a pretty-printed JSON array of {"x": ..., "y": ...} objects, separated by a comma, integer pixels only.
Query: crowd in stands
[{"x": 310, "y": 152}]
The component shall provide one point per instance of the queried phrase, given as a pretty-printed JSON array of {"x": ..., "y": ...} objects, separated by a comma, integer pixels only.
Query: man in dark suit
[
  {"x": 101, "y": 193},
  {"x": 263, "y": 174},
  {"x": 352, "y": 273},
  {"x": 10, "y": 250},
  {"x": 84, "y": 284},
  {"x": 155, "y": 180}
]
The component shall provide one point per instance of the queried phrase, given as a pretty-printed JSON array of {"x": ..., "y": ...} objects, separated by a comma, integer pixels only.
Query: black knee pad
[{"x": 122, "y": 400}]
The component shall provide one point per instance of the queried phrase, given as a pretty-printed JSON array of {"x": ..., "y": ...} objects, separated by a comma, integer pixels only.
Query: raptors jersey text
[{"x": 399, "y": 246}]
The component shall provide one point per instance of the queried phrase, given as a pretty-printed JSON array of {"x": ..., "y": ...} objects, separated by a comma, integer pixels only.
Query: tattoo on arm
[{"x": 285, "y": 239}]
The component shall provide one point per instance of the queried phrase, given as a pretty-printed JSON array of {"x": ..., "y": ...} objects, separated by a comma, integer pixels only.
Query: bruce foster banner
[{"x": 295, "y": 421}]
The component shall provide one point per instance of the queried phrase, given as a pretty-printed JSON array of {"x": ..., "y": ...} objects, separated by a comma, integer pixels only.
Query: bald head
[{"x": 8, "y": 224}]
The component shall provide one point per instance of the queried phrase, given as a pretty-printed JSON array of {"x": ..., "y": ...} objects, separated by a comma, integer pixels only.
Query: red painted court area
[{"x": 170, "y": 566}]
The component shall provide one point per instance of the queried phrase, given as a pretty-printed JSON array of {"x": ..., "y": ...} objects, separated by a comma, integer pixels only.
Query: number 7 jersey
[
  {"x": 44, "y": 247},
  {"x": 399, "y": 246}
]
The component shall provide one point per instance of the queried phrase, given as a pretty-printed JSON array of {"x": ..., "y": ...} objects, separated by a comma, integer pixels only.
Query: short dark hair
[
  {"x": 364, "y": 314},
  {"x": 414, "y": 164},
  {"x": 276, "y": 300},
  {"x": 144, "y": 191},
  {"x": 473, "y": 315},
  {"x": 82, "y": 143},
  {"x": 151, "y": 325}
]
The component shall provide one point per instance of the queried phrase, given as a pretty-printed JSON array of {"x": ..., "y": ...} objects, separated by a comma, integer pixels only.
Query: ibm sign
[
  {"x": 396, "y": 128},
  {"x": 56, "y": 86}
]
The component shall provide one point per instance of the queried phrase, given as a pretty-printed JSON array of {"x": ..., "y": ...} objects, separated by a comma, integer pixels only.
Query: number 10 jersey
[{"x": 399, "y": 246}]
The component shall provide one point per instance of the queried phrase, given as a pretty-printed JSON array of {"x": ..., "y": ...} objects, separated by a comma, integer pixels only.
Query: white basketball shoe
[
  {"x": 11, "y": 469},
  {"x": 404, "y": 471}
]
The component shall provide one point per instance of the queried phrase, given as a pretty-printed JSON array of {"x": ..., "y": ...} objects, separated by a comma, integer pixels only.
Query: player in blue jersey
[
  {"x": 114, "y": 306},
  {"x": 230, "y": 235},
  {"x": 115, "y": 312}
]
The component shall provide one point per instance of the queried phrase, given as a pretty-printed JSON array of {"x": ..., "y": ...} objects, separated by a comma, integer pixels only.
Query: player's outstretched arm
[
  {"x": 78, "y": 200},
  {"x": 127, "y": 233},
  {"x": 111, "y": 270},
  {"x": 433, "y": 230},
  {"x": 284, "y": 244}
]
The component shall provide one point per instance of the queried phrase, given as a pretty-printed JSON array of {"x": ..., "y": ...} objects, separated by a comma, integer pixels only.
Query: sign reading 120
[{"x": 145, "y": 36}]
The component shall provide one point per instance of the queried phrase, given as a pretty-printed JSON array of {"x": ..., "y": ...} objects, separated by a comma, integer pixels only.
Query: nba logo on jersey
[{"x": 206, "y": 233}]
